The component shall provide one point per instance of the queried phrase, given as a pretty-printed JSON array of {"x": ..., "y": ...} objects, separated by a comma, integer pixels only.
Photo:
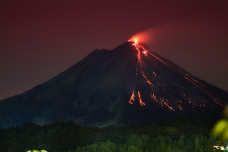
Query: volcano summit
[{"x": 129, "y": 85}]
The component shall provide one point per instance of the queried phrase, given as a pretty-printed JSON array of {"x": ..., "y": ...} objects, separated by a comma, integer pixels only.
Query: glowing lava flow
[
  {"x": 159, "y": 92},
  {"x": 139, "y": 67},
  {"x": 140, "y": 99}
]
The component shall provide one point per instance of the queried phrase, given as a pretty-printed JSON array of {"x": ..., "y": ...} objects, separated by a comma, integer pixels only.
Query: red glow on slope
[
  {"x": 140, "y": 99},
  {"x": 145, "y": 53},
  {"x": 158, "y": 87},
  {"x": 132, "y": 98}
]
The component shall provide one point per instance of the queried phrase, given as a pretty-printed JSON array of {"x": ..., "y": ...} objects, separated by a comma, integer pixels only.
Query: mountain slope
[{"x": 96, "y": 92}]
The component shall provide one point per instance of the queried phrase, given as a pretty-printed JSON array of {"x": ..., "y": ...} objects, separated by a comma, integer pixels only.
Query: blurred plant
[
  {"x": 221, "y": 127},
  {"x": 37, "y": 151}
]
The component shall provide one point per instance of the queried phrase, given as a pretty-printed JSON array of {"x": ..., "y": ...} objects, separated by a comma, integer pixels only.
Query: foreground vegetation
[{"x": 179, "y": 136}]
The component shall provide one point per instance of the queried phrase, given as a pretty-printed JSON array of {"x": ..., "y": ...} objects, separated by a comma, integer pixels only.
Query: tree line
[{"x": 179, "y": 136}]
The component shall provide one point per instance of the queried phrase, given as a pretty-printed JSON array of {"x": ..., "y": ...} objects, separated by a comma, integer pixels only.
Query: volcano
[{"x": 129, "y": 85}]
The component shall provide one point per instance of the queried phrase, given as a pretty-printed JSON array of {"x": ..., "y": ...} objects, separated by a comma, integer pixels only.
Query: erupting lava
[{"x": 158, "y": 91}]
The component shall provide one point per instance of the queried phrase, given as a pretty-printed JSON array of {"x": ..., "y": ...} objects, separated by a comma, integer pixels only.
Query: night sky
[{"x": 40, "y": 38}]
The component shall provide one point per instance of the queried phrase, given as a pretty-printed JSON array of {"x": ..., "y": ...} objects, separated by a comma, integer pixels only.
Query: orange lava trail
[
  {"x": 140, "y": 99},
  {"x": 141, "y": 67},
  {"x": 132, "y": 98}
]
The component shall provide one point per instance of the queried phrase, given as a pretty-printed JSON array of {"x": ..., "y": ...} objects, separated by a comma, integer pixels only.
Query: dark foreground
[{"x": 179, "y": 136}]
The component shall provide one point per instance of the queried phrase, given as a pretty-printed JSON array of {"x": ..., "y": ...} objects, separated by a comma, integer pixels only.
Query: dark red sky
[{"x": 40, "y": 38}]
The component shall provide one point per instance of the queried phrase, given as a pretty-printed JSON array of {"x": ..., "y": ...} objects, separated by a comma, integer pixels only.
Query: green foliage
[
  {"x": 36, "y": 151},
  {"x": 70, "y": 137}
]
